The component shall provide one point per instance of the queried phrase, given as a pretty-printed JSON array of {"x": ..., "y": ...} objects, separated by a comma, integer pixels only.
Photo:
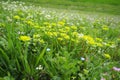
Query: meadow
[
  {"x": 48, "y": 43},
  {"x": 104, "y": 6}
]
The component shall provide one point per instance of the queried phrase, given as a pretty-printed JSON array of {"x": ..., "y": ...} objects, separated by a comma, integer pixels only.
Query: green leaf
[
  {"x": 2, "y": 79},
  {"x": 18, "y": 65},
  {"x": 47, "y": 66},
  {"x": 40, "y": 56},
  {"x": 4, "y": 55}
]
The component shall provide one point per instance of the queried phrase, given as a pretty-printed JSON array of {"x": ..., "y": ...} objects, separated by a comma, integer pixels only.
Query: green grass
[
  {"x": 112, "y": 2},
  {"x": 103, "y": 6},
  {"x": 39, "y": 43}
]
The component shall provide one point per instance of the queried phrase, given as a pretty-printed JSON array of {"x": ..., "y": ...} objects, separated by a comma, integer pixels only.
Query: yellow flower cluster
[
  {"x": 107, "y": 56},
  {"x": 64, "y": 33},
  {"x": 24, "y": 38},
  {"x": 73, "y": 27},
  {"x": 98, "y": 39},
  {"x": 37, "y": 38},
  {"x": 16, "y": 17},
  {"x": 30, "y": 23},
  {"x": 105, "y": 28},
  {"x": 51, "y": 34},
  {"x": 65, "y": 36},
  {"x": 91, "y": 41},
  {"x": 61, "y": 23},
  {"x": 60, "y": 31}
]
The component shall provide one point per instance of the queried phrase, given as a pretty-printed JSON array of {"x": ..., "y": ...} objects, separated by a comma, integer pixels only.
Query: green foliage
[
  {"x": 42, "y": 44},
  {"x": 103, "y": 6}
]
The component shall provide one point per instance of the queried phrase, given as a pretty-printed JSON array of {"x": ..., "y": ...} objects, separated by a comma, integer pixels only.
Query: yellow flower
[
  {"x": 46, "y": 23},
  {"x": 61, "y": 23},
  {"x": 67, "y": 29},
  {"x": 53, "y": 24},
  {"x": 89, "y": 40},
  {"x": 62, "y": 31},
  {"x": 75, "y": 34},
  {"x": 41, "y": 41},
  {"x": 73, "y": 27},
  {"x": 36, "y": 26},
  {"x": 48, "y": 27},
  {"x": 60, "y": 39},
  {"x": 36, "y": 36},
  {"x": 99, "y": 44},
  {"x": 49, "y": 33},
  {"x": 99, "y": 39},
  {"x": 55, "y": 34},
  {"x": 105, "y": 27},
  {"x": 107, "y": 56},
  {"x": 16, "y": 17},
  {"x": 65, "y": 36},
  {"x": 30, "y": 23},
  {"x": 24, "y": 38}
]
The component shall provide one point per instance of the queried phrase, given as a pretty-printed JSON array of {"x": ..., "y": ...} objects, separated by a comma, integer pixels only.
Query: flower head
[
  {"x": 89, "y": 39},
  {"x": 105, "y": 28},
  {"x": 24, "y": 38},
  {"x": 116, "y": 69},
  {"x": 62, "y": 23},
  {"x": 82, "y": 58},
  {"x": 107, "y": 56},
  {"x": 102, "y": 79},
  {"x": 39, "y": 67},
  {"x": 16, "y": 17},
  {"x": 48, "y": 49}
]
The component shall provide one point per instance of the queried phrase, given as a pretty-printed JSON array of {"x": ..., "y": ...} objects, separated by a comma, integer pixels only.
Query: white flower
[
  {"x": 39, "y": 67},
  {"x": 48, "y": 16},
  {"x": 82, "y": 58},
  {"x": 80, "y": 35},
  {"x": 113, "y": 46},
  {"x": 48, "y": 49}
]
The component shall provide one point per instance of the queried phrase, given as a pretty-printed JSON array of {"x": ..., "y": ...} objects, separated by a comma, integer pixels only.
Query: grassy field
[
  {"x": 104, "y": 6},
  {"x": 73, "y": 2},
  {"x": 58, "y": 41}
]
